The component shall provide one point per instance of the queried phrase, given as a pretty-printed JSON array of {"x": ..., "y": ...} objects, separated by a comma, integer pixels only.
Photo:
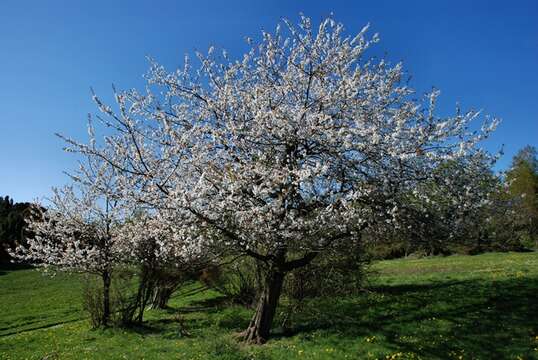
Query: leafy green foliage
[{"x": 522, "y": 180}]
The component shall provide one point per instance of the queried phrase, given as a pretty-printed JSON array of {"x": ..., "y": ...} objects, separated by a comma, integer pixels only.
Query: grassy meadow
[{"x": 456, "y": 307}]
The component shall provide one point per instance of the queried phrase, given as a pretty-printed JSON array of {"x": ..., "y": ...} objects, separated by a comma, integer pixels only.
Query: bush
[
  {"x": 239, "y": 282},
  {"x": 92, "y": 301},
  {"x": 336, "y": 274},
  {"x": 339, "y": 273},
  {"x": 124, "y": 298}
]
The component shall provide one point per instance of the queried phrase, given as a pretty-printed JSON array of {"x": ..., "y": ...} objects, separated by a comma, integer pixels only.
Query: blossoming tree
[
  {"x": 447, "y": 211},
  {"x": 151, "y": 242},
  {"x": 77, "y": 230},
  {"x": 293, "y": 149}
]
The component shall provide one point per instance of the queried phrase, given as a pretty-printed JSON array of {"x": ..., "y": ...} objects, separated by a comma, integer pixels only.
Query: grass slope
[{"x": 458, "y": 307}]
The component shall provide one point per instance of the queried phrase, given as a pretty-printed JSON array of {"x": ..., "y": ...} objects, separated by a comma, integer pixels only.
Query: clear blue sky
[{"x": 483, "y": 54}]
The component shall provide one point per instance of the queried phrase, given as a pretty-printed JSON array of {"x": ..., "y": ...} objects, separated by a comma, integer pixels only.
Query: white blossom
[{"x": 300, "y": 143}]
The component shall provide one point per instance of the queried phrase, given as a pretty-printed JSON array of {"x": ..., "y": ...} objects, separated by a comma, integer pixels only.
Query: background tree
[
  {"x": 522, "y": 180},
  {"x": 293, "y": 150},
  {"x": 451, "y": 210}
]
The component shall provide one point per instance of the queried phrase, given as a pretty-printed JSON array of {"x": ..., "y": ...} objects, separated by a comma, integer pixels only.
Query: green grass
[{"x": 457, "y": 307}]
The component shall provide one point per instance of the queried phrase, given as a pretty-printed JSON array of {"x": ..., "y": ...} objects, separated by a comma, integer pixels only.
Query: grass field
[{"x": 457, "y": 307}]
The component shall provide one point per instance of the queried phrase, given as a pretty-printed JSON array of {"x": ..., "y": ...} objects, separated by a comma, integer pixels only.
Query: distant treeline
[{"x": 11, "y": 224}]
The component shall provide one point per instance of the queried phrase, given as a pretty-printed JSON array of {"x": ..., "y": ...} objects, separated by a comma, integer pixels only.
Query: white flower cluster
[
  {"x": 78, "y": 229},
  {"x": 298, "y": 144}
]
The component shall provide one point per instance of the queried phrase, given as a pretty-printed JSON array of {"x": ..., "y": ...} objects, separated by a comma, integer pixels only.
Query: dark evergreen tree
[{"x": 11, "y": 225}]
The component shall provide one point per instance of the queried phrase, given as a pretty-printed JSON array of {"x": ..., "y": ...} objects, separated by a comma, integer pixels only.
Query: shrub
[
  {"x": 339, "y": 273},
  {"x": 239, "y": 282},
  {"x": 124, "y": 298},
  {"x": 92, "y": 301}
]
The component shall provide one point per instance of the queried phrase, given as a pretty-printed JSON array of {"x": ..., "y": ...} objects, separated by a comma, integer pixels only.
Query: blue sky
[{"x": 482, "y": 54}]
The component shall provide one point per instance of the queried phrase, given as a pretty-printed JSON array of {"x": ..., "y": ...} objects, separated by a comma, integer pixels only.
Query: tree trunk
[
  {"x": 260, "y": 326},
  {"x": 160, "y": 297},
  {"x": 106, "y": 297},
  {"x": 145, "y": 289}
]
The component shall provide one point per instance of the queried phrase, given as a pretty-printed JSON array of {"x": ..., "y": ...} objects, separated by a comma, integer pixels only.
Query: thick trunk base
[{"x": 259, "y": 329}]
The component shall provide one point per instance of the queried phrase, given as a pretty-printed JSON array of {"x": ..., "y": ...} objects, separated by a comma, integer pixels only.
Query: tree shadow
[
  {"x": 402, "y": 289},
  {"x": 432, "y": 320},
  {"x": 438, "y": 320},
  {"x": 212, "y": 302},
  {"x": 6, "y": 267},
  {"x": 5, "y": 331},
  {"x": 171, "y": 328}
]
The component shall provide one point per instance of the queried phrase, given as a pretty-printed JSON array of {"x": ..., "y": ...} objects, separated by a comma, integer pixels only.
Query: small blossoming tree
[
  {"x": 165, "y": 261},
  {"x": 76, "y": 232},
  {"x": 295, "y": 148}
]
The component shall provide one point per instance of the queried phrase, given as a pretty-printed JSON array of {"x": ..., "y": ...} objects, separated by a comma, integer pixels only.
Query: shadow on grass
[
  {"x": 5, "y": 267},
  {"x": 485, "y": 318},
  {"x": 5, "y": 331},
  {"x": 213, "y": 302},
  {"x": 403, "y": 289},
  {"x": 180, "y": 321},
  {"x": 488, "y": 318},
  {"x": 171, "y": 328}
]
